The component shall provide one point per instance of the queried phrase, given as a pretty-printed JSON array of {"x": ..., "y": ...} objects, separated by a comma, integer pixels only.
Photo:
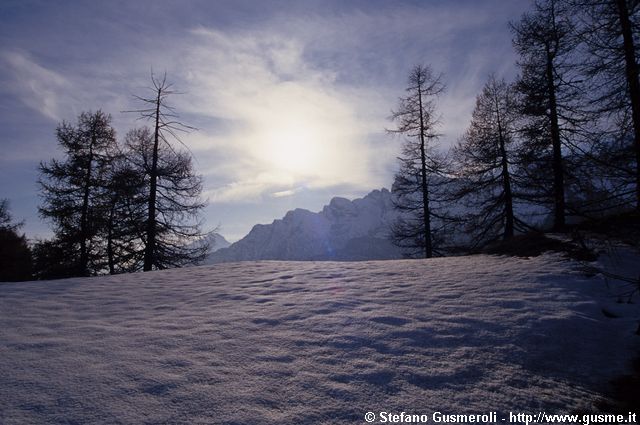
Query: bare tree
[
  {"x": 484, "y": 159},
  {"x": 545, "y": 40},
  {"x": 420, "y": 164},
  {"x": 173, "y": 189},
  {"x": 609, "y": 30}
]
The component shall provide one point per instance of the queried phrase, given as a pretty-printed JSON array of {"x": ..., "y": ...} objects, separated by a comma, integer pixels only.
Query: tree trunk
[
  {"x": 110, "y": 256},
  {"x": 506, "y": 182},
  {"x": 150, "y": 248},
  {"x": 633, "y": 83},
  {"x": 558, "y": 172},
  {"x": 428, "y": 249},
  {"x": 84, "y": 254}
]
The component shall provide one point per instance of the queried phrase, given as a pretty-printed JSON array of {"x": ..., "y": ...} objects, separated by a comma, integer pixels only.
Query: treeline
[
  {"x": 116, "y": 207},
  {"x": 15, "y": 254},
  {"x": 561, "y": 141}
]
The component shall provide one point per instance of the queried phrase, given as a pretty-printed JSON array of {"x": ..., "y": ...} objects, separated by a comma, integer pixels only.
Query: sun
[
  {"x": 304, "y": 137},
  {"x": 294, "y": 147}
]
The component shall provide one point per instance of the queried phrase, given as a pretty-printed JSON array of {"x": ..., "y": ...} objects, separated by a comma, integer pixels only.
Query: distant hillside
[
  {"x": 343, "y": 230},
  {"x": 218, "y": 242}
]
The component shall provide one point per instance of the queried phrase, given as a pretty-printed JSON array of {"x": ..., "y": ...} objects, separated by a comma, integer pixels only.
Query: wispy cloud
[
  {"x": 290, "y": 122},
  {"x": 284, "y": 193},
  {"x": 36, "y": 86},
  {"x": 319, "y": 89}
]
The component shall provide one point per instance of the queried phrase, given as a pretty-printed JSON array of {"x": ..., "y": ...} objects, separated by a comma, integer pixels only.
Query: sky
[{"x": 291, "y": 99}]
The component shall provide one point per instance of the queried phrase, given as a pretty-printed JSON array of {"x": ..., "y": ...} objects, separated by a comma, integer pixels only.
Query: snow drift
[{"x": 310, "y": 343}]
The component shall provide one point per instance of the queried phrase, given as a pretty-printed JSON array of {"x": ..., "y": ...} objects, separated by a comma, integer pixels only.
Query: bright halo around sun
[
  {"x": 293, "y": 145},
  {"x": 303, "y": 137},
  {"x": 293, "y": 148}
]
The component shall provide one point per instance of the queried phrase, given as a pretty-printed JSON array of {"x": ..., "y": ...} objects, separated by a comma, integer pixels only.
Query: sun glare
[
  {"x": 294, "y": 148},
  {"x": 304, "y": 136}
]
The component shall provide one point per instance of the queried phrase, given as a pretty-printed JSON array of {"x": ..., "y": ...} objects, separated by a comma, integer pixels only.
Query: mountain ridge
[{"x": 344, "y": 230}]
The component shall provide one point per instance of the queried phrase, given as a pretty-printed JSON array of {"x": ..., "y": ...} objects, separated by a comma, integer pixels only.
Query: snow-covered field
[{"x": 310, "y": 343}]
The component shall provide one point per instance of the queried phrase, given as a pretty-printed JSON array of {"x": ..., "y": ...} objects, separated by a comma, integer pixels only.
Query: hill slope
[
  {"x": 343, "y": 230},
  {"x": 307, "y": 343},
  {"x": 217, "y": 242}
]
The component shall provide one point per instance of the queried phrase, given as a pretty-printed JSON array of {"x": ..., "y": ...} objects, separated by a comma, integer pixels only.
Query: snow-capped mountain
[
  {"x": 217, "y": 242},
  {"x": 343, "y": 230}
]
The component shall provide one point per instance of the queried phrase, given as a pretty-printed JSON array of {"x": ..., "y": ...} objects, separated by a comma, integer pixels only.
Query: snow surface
[
  {"x": 344, "y": 230},
  {"x": 309, "y": 343}
]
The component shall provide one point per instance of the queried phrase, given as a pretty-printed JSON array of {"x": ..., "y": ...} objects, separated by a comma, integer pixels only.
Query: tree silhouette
[
  {"x": 609, "y": 29},
  {"x": 73, "y": 190},
  {"x": 545, "y": 40},
  {"x": 15, "y": 255},
  {"x": 484, "y": 159},
  {"x": 126, "y": 214},
  {"x": 173, "y": 190},
  {"x": 420, "y": 164}
]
